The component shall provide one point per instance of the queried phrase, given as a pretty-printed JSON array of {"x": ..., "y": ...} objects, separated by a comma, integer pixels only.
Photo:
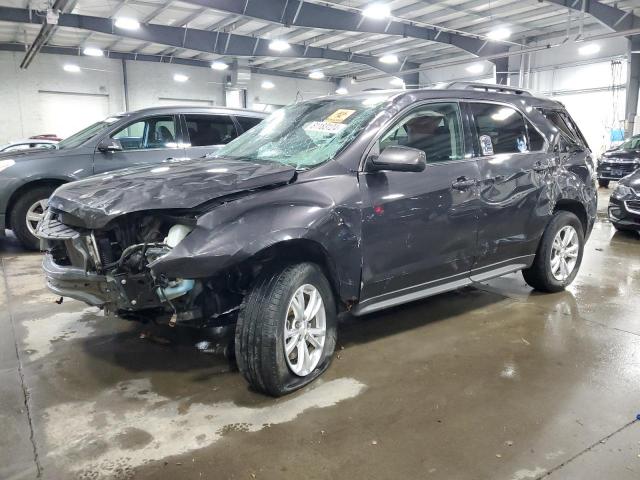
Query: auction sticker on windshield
[
  {"x": 324, "y": 127},
  {"x": 339, "y": 115}
]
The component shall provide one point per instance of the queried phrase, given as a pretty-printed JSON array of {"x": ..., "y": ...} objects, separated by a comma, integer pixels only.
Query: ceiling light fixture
[
  {"x": 93, "y": 52},
  {"x": 217, "y": 65},
  {"x": 316, "y": 75},
  {"x": 475, "y": 68},
  {"x": 342, "y": 91},
  {"x": 500, "y": 33},
  {"x": 267, "y": 84},
  {"x": 279, "y": 45},
  {"x": 127, "y": 23},
  {"x": 179, "y": 77},
  {"x": 377, "y": 11},
  {"x": 71, "y": 68},
  {"x": 389, "y": 58},
  {"x": 589, "y": 49}
]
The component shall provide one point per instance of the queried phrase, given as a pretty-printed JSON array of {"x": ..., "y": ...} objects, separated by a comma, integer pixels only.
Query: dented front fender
[{"x": 321, "y": 210}]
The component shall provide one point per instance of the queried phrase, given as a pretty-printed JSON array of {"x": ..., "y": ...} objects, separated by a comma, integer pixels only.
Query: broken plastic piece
[{"x": 59, "y": 301}]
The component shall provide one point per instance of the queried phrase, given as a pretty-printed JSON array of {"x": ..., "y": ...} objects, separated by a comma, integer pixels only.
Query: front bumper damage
[
  {"x": 76, "y": 283},
  {"x": 76, "y": 266}
]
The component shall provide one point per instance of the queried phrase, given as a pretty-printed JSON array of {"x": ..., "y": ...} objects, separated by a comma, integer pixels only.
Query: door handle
[{"x": 463, "y": 183}]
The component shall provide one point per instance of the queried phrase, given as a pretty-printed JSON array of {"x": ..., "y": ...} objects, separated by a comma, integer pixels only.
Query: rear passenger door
[
  {"x": 207, "y": 133},
  {"x": 515, "y": 167}
]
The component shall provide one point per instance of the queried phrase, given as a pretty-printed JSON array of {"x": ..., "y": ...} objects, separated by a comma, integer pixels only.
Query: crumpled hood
[{"x": 186, "y": 184}]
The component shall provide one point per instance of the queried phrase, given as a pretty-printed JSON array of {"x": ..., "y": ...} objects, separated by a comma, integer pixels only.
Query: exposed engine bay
[{"x": 110, "y": 268}]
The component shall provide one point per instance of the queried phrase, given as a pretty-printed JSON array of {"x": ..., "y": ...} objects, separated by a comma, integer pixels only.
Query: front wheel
[
  {"x": 27, "y": 212},
  {"x": 286, "y": 330},
  {"x": 559, "y": 255}
]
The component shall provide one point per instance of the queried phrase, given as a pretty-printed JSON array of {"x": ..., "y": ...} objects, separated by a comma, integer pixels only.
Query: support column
[
  {"x": 411, "y": 80},
  {"x": 125, "y": 84},
  {"x": 522, "y": 71},
  {"x": 502, "y": 70},
  {"x": 633, "y": 84}
]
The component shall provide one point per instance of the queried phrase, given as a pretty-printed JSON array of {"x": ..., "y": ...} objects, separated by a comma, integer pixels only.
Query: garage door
[{"x": 65, "y": 113}]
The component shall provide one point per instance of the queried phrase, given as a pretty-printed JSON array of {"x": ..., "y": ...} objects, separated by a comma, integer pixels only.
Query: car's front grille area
[
  {"x": 633, "y": 206},
  {"x": 617, "y": 169},
  {"x": 52, "y": 229}
]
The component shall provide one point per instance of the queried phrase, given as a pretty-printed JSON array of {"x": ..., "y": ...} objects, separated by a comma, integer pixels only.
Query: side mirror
[
  {"x": 110, "y": 145},
  {"x": 397, "y": 158}
]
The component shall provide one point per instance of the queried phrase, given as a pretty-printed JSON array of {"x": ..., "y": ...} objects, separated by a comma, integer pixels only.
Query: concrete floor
[{"x": 489, "y": 383}]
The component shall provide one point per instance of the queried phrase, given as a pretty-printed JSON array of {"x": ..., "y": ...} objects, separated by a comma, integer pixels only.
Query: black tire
[
  {"x": 19, "y": 215},
  {"x": 259, "y": 340},
  {"x": 603, "y": 183},
  {"x": 539, "y": 275}
]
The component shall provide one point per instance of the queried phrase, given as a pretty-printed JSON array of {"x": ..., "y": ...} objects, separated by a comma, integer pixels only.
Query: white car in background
[{"x": 29, "y": 143}]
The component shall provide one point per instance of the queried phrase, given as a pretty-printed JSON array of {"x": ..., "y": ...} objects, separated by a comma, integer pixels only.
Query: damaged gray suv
[{"x": 351, "y": 203}]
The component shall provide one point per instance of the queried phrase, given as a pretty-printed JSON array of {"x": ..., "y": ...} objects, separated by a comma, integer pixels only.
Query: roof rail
[{"x": 487, "y": 87}]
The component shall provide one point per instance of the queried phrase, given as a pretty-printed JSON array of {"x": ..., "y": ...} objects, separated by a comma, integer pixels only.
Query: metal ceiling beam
[
  {"x": 46, "y": 32},
  {"x": 137, "y": 57},
  {"x": 615, "y": 18},
  {"x": 219, "y": 43},
  {"x": 298, "y": 13}
]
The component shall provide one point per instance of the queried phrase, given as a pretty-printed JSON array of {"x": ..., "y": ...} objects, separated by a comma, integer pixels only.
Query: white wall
[
  {"x": 152, "y": 84},
  {"x": 458, "y": 73},
  {"x": 287, "y": 90},
  {"x": 32, "y": 100},
  {"x": 47, "y": 99}
]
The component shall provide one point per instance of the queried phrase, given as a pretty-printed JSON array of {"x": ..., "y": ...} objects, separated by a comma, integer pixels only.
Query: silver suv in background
[{"x": 148, "y": 136}]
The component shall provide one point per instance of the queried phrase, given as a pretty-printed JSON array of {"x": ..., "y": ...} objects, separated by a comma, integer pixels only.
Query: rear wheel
[
  {"x": 559, "y": 255},
  {"x": 286, "y": 330},
  {"x": 603, "y": 183},
  {"x": 27, "y": 212}
]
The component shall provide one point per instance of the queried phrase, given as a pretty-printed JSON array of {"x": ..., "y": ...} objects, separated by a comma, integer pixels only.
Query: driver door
[
  {"x": 419, "y": 229},
  {"x": 144, "y": 141}
]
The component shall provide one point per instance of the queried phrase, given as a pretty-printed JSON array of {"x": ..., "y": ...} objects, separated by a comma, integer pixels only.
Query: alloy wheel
[
  {"x": 564, "y": 253},
  {"x": 35, "y": 214},
  {"x": 305, "y": 330}
]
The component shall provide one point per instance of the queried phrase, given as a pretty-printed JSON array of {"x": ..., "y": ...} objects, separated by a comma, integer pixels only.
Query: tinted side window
[
  {"x": 154, "y": 132},
  {"x": 247, "y": 123},
  {"x": 206, "y": 130},
  {"x": 435, "y": 129},
  {"x": 499, "y": 129}
]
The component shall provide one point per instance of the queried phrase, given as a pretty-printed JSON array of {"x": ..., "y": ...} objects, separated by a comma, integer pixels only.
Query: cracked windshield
[{"x": 305, "y": 134}]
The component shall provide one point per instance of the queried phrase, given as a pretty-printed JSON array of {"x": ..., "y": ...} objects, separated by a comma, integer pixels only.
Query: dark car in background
[
  {"x": 620, "y": 161},
  {"x": 350, "y": 203},
  {"x": 624, "y": 203},
  {"x": 148, "y": 136}
]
